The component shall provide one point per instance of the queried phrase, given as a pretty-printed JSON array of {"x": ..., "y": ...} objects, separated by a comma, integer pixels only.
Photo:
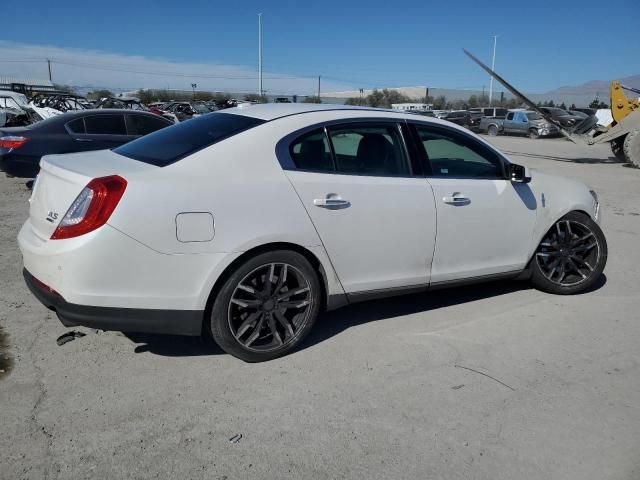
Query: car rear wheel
[
  {"x": 570, "y": 257},
  {"x": 493, "y": 131},
  {"x": 266, "y": 307},
  {"x": 533, "y": 133}
]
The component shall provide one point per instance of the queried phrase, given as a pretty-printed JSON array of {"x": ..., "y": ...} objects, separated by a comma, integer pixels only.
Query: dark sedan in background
[
  {"x": 22, "y": 147},
  {"x": 459, "y": 117},
  {"x": 565, "y": 118}
]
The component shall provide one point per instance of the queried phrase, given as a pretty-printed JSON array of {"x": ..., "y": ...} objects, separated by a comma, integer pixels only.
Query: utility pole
[
  {"x": 194, "y": 86},
  {"x": 49, "y": 65},
  {"x": 318, "y": 87},
  {"x": 493, "y": 67},
  {"x": 260, "y": 90}
]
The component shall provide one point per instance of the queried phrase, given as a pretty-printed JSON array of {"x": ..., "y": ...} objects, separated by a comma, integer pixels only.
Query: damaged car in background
[
  {"x": 15, "y": 111},
  {"x": 132, "y": 103},
  {"x": 522, "y": 122},
  {"x": 50, "y": 105},
  {"x": 21, "y": 148}
]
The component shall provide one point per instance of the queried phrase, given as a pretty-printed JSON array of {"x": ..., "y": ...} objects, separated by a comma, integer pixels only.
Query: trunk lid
[{"x": 62, "y": 178}]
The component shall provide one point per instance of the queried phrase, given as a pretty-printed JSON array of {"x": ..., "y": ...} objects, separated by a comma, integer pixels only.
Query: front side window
[
  {"x": 454, "y": 155},
  {"x": 369, "y": 150},
  {"x": 105, "y": 125}
]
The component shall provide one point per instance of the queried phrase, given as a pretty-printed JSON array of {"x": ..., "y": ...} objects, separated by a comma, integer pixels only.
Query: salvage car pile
[
  {"x": 16, "y": 110},
  {"x": 50, "y": 124}
]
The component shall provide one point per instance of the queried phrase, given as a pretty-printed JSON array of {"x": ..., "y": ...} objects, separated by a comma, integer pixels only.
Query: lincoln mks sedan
[{"x": 245, "y": 225}]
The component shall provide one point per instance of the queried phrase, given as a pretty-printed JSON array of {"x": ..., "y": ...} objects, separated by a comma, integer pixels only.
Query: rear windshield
[{"x": 171, "y": 144}]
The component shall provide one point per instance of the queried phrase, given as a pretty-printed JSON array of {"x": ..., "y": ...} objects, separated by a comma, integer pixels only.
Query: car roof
[
  {"x": 271, "y": 111},
  {"x": 68, "y": 116},
  {"x": 101, "y": 111}
]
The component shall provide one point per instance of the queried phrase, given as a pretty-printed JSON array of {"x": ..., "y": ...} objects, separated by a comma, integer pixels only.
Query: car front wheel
[
  {"x": 533, "y": 134},
  {"x": 266, "y": 307},
  {"x": 571, "y": 256}
]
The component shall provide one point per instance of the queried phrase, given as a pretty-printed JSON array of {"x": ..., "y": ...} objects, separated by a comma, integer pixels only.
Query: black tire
[
  {"x": 617, "y": 148},
  {"x": 579, "y": 253},
  {"x": 243, "y": 323},
  {"x": 533, "y": 134},
  {"x": 492, "y": 131},
  {"x": 631, "y": 148}
]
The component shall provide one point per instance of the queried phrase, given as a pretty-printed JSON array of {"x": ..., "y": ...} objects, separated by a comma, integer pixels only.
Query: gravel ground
[{"x": 497, "y": 381}]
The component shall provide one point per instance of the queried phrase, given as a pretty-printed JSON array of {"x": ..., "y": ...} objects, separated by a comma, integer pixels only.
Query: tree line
[
  {"x": 377, "y": 98},
  {"x": 386, "y": 97}
]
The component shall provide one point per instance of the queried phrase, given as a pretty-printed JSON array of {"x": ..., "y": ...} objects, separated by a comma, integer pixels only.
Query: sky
[{"x": 541, "y": 45}]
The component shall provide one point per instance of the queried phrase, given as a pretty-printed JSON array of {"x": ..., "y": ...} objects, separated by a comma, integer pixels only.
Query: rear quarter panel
[{"x": 239, "y": 181}]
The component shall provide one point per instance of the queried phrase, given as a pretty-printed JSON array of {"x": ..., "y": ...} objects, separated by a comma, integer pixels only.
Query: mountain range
[{"x": 595, "y": 87}]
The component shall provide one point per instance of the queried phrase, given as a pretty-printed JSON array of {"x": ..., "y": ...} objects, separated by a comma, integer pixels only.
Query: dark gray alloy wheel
[
  {"x": 266, "y": 307},
  {"x": 571, "y": 256},
  {"x": 269, "y": 307}
]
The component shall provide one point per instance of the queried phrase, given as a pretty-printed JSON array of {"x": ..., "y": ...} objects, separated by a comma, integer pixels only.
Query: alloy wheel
[
  {"x": 269, "y": 307},
  {"x": 569, "y": 253}
]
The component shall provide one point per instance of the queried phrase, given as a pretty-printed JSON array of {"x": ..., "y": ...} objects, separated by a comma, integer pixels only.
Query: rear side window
[
  {"x": 173, "y": 143},
  {"x": 369, "y": 150},
  {"x": 105, "y": 125},
  {"x": 76, "y": 126},
  {"x": 144, "y": 124},
  {"x": 312, "y": 152}
]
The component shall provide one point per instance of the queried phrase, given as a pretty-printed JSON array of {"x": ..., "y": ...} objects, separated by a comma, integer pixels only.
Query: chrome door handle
[
  {"x": 331, "y": 202},
  {"x": 457, "y": 199}
]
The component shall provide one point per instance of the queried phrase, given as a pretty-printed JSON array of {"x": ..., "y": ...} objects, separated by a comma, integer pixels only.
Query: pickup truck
[{"x": 518, "y": 123}]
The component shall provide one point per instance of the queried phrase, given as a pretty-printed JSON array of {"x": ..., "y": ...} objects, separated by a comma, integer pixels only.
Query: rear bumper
[
  {"x": 174, "y": 322},
  {"x": 19, "y": 165}
]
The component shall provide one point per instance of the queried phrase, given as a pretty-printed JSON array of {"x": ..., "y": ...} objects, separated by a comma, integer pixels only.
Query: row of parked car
[
  {"x": 18, "y": 111},
  {"x": 494, "y": 120},
  {"x": 63, "y": 123}
]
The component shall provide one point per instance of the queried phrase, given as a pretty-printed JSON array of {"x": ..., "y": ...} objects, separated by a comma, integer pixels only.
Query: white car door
[
  {"x": 485, "y": 222},
  {"x": 373, "y": 212}
]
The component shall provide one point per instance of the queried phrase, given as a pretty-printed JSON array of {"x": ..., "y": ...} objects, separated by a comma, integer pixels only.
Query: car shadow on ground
[
  {"x": 333, "y": 323},
  {"x": 585, "y": 160}
]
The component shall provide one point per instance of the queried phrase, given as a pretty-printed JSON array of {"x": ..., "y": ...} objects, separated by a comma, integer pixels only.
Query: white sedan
[{"x": 247, "y": 223}]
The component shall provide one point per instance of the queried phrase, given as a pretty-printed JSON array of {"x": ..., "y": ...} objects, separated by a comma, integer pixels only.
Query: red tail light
[
  {"x": 92, "y": 208},
  {"x": 12, "y": 141}
]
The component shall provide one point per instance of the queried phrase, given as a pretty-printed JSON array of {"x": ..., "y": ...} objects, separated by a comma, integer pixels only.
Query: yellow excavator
[{"x": 623, "y": 133}]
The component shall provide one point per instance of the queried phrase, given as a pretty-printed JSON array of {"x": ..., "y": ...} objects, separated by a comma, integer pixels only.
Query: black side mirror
[{"x": 519, "y": 173}]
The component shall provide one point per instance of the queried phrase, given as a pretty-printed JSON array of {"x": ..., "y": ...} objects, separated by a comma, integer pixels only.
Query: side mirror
[{"x": 519, "y": 173}]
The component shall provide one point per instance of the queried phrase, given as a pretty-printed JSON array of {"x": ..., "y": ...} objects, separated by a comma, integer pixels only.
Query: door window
[
  {"x": 454, "y": 155},
  {"x": 105, "y": 125},
  {"x": 144, "y": 124},
  {"x": 76, "y": 126},
  {"x": 312, "y": 152},
  {"x": 369, "y": 150}
]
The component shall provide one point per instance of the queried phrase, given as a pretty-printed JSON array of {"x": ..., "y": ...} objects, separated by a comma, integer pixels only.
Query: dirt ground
[{"x": 497, "y": 381}]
